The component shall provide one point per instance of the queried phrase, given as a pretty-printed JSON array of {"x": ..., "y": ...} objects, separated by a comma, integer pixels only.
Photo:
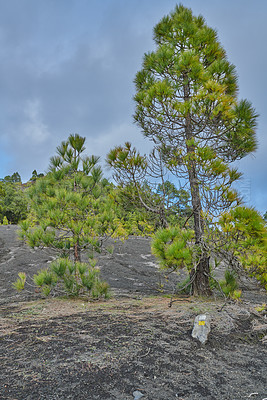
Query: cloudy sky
[{"x": 67, "y": 66}]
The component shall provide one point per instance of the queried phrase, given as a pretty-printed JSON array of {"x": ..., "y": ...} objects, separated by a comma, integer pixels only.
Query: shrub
[
  {"x": 20, "y": 282},
  {"x": 229, "y": 285},
  {"x": 172, "y": 246},
  {"x": 5, "y": 221},
  {"x": 68, "y": 277}
]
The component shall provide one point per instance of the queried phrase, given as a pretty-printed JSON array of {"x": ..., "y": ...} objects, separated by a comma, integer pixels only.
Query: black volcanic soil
[{"x": 130, "y": 345}]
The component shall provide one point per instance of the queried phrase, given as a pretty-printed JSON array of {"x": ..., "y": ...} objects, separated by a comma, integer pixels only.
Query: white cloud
[
  {"x": 117, "y": 135},
  {"x": 34, "y": 128}
]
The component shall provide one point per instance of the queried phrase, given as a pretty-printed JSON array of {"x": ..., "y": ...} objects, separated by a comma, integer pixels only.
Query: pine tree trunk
[
  {"x": 77, "y": 252},
  {"x": 199, "y": 275}
]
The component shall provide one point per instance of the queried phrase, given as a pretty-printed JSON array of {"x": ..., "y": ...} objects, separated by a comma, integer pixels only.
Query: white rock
[{"x": 201, "y": 328}]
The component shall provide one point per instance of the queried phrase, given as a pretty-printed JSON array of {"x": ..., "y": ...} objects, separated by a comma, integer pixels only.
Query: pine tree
[
  {"x": 187, "y": 104},
  {"x": 69, "y": 206},
  {"x": 70, "y": 212}
]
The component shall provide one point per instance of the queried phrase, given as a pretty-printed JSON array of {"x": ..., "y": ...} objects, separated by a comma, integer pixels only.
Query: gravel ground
[{"x": 132, "y": 346}]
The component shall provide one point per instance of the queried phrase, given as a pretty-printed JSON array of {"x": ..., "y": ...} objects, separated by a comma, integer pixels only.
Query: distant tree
[
  {"x": 35, "y": 175},
  {"x": 2, "y": 194},
  {"x": 15, "y": 203},
  {"x": 133, "y": 217},
  {"x": 187, "y": 105},
  {"x": 177, "y": 202},
  {"x": 13, "y": 200},
  {"x": 144, "y": 182},
  {"x": 14, "y": 178},
  {"x": 2, "y": 191}
]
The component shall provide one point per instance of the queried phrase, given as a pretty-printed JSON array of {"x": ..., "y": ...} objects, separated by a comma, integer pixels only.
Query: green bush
[
  {"x": 72, "y": 278},
  {"x": 5, "y": 221},
  {"x": 20, "y": 282},
  {"x": 229, "y": 285},
  {"x": 172, "y": 246}
]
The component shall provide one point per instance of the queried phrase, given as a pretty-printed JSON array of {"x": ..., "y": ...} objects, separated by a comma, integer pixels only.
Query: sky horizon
[{"x": 68, "y": 67}]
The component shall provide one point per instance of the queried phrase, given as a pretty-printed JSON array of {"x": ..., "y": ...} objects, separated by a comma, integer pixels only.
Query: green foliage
[
  {"x": 236, "y": 295},
  {"x": 14, "y": 178},
  {"x": 172, "y": 246},
  {"x": 261, "y": 308},
  {"x": 187, "y": 105},
  {"x": 139, "y": 194},
  {"x": 246, "y": 235},
  {"x": 132, "y": 218},
  {"x": 176, "y": 202},
  {"x": 44, "y": 277},
  {"x": 35, "y": 176},
  {"x": 70, "y": 207},
  {"x": 188, "y": 77},
  {"x": 184, "y": 287},
  {"x": 71, "y": 211},
  {"x": 59, "y": 266},
  {"x": 110, "y": 249},
  {"x": 229, "y": 285},
  {"x": 71, "y": 278},
  {"x": 13, "y": 201},
  {"x": 100, "y": 289},
  {"x": 5, "y": 221},
  {"x": 20, "y": 282}
]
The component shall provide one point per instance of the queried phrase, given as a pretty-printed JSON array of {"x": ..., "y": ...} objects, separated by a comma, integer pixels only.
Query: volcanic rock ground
[{"x": 131, "y": 345}]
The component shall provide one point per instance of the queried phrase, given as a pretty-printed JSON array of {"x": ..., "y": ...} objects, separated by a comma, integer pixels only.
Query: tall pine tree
[{"x": 187, "y": 104}]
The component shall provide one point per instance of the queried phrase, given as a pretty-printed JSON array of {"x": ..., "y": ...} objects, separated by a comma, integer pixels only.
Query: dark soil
[{"x": 66, "y": 349}]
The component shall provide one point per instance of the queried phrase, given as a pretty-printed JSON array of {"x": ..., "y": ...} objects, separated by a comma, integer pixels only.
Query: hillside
[{"x": 130, "y": 346}]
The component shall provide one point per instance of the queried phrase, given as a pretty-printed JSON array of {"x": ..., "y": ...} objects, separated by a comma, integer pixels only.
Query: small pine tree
[{"x": 70, "y": 212}]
